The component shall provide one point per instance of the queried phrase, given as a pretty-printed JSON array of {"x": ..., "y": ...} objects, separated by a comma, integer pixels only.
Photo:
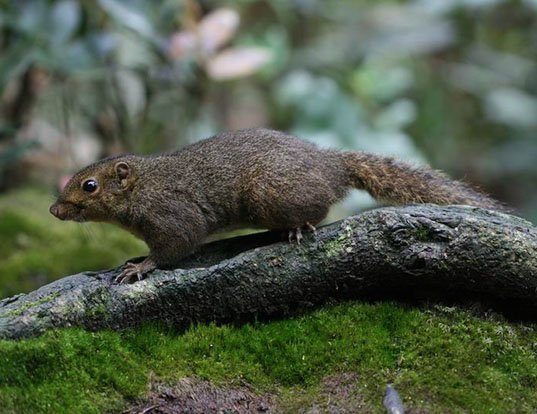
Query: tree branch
[{"x": 425, "y": 251}]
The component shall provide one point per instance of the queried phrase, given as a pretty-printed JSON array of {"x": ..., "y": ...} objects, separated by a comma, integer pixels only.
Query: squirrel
[{"x": 254, "y": 177}]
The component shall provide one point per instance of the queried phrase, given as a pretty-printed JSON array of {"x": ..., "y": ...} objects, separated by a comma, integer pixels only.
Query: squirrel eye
[{"x": 89, "y": 186}]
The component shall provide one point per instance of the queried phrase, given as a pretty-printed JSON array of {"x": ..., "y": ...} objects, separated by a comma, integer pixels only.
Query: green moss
[
  {"x": 333, "y": 248},
  {"x": 96, "y": 312},
  {"x": 338, "y": 245},
  {"x": 95, "y": 304},
  {"x": 441, "y": 360},
  {"x": 29, "y": 305},
  {"x": 422, "y": 234}
]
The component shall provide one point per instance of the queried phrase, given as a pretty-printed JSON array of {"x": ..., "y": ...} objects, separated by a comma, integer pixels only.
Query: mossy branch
[{"x": 423, "y": 251}]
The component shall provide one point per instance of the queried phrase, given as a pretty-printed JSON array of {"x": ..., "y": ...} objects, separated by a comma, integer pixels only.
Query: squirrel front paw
[{"x": 135, "y": 271}]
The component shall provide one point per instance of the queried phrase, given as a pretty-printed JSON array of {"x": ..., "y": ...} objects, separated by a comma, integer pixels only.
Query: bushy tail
[{"x": 399, "y": 183}]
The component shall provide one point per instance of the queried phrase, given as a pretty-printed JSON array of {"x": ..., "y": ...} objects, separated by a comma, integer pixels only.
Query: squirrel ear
[{"x": 123, "y": 170}]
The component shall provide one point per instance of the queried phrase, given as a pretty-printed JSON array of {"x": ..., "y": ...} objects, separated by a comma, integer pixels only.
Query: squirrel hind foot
[{"x": 296, "y": 233}]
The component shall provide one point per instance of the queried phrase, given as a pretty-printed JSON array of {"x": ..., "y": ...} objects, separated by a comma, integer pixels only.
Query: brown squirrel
[{"x": 255, "y": 177}]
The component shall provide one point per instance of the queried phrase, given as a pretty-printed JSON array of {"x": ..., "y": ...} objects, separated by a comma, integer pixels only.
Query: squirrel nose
[{"x": 58, "y": 211}]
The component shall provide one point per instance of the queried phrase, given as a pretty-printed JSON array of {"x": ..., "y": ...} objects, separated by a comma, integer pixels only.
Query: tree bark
[{"x": 421, "y": 251}]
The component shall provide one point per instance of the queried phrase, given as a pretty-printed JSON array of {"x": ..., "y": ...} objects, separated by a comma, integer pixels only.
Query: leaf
[
  {"x": 182, "y": 44},
  {"x": 31, "y": 16},
  {"x": 396, "y": 116},
  {"x": 103, "y": 43},
  {"x": 74, "y": 57},
  {"x": 15, "y": 61},
  {"x": 238, "y": 62},
  {"x": 16, "y": 150},
  {"x": 217, "y": 28},
  {"x": 128, "y": 17},
  {"x": 131, "y": 91},
  {"x": 512, "y": 107},
  {"x": 64, "y": 20},
  {"x": 130, "y": 52}
]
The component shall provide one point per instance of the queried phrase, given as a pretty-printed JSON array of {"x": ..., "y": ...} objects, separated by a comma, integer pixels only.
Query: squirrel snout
[{"x": 58, "y": 211}]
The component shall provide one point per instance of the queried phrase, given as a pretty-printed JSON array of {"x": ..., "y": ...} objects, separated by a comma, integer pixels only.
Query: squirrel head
[{"x": 98, "y": 192}]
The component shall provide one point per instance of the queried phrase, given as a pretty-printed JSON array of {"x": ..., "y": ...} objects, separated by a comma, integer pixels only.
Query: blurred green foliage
[{"x": 450, "y": 81}]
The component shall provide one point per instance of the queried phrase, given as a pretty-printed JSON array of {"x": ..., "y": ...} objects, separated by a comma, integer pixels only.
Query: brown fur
[{"x": 255, "y": 177}]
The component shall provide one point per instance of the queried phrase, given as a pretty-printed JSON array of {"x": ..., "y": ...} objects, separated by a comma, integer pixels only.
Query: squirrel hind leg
[
  {"x": 289, "y": 216},
  {"x": 288, "y": 200},
  {"x": 295, "y": 234}
]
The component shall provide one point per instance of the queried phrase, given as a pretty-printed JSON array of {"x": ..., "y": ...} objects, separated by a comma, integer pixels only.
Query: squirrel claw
[
  {"x": 311, "y": 228},
  {"x": 128, "y": 273},
  {"x": 295, "y": 234},
  {"x": 132, "y": 271}
]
